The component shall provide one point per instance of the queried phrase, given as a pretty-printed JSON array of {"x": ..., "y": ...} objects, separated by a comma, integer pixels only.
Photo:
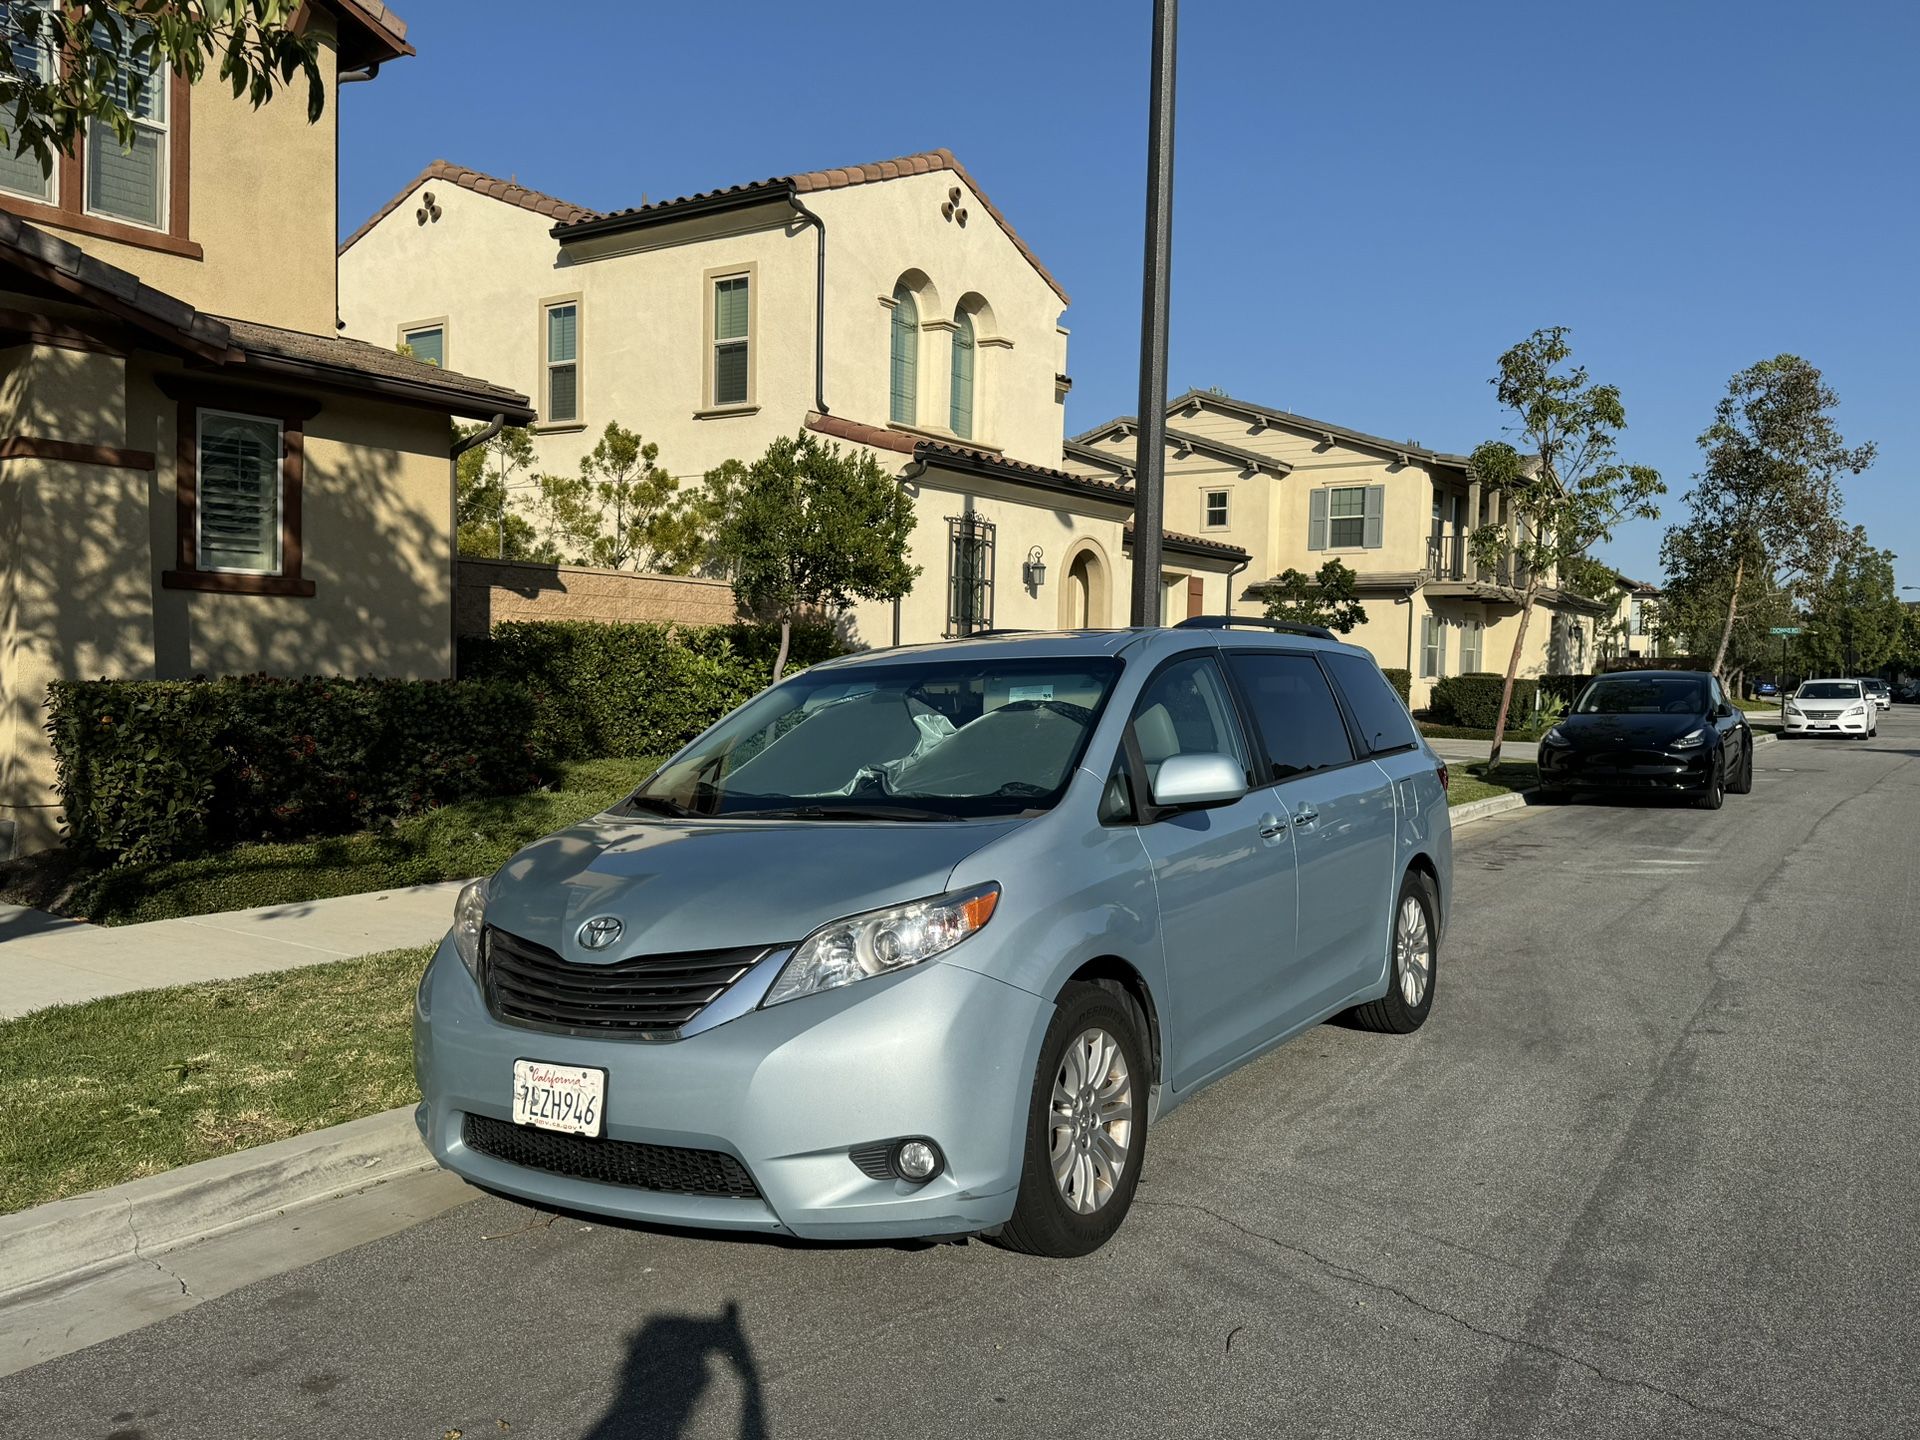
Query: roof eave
[{"x": 716, "y": 203}]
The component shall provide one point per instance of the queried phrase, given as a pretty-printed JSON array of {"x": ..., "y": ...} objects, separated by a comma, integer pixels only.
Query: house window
[
  {"x": 129, "y": 182},
  {"x": 1433, "y": 650},
  {"x": 970, "y": 574},
  {"x": 238, "y": 490},
  {"x": 732, "y": 318},
  {"x": 960, "y": 416},
  {"x": 904, "y": 405},
  {"x": 1216, "y": 509},
  {"x": 1636, "y": 618},
  {"x": 428, "y": 343},
  {"x": 1471, "y": 632},
  {"x": 30, "y": 55},
  {"x": 563, "y": 363},
  {"x": 1347, "y": 516}
]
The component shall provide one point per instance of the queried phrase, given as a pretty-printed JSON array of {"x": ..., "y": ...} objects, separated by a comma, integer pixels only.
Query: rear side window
[
  {"x": 1383, "y": 720},
  {"x": 1295, "y": 711}
]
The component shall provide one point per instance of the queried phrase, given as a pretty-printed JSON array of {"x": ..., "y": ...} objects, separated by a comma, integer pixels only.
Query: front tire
[
  {"x": 1086, "y": 1127},
  {"x": 1715, "y": 795},
  {"x": 1743, "y": 782},
  {"x": 1413, "y": 961}
]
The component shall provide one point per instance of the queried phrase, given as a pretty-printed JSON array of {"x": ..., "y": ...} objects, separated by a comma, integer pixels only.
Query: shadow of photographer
[{"x": 669, "y": 1367}]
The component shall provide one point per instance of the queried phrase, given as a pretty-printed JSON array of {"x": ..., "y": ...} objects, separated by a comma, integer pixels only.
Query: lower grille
[
  {"x": 648, "y": 994},
  {"x": 668, "y": 1169}
]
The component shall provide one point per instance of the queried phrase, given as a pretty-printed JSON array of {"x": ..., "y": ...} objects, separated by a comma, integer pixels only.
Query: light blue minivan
[{"x": 919, "y": 942}]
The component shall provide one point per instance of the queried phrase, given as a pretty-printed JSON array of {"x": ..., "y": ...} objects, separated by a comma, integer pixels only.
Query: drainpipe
[
  {"x": 807, "y": 217},
  {"x": 1230, "y": 574},
  {"x": 349, "y": 77},
  {"x": 460, "y": 447}
]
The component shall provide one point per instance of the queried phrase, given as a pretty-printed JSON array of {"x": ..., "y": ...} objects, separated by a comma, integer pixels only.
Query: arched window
[
  {"x": 905, "y": 405},
  {"x": 960, "y": 418}
]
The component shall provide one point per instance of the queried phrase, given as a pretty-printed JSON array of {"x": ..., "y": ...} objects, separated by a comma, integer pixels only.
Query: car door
[
  {"x": 1725, "y": 717},
  {"x": 1341, "y": 811},
  {"x": 1223, "y": 876}
]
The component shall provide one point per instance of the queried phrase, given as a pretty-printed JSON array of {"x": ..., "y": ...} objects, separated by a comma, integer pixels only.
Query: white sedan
[{"x": 1832, "y": 707}]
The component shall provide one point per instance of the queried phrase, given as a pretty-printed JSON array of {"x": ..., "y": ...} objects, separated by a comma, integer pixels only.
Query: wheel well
[
  {"x": 1112, "y": 973},
  {"x": 1423, "y": 865}
]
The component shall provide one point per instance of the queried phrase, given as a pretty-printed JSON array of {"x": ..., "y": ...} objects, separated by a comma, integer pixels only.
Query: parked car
[
  {"x": 919, "y": 942},
  {"x": 1832, "y": 707},
  {"x": 1671, "y": 731},
  {"x": 1878, "y": 691},
  {"x": 1765, "y": 688},
  {"x": 1908, "y": 693}
]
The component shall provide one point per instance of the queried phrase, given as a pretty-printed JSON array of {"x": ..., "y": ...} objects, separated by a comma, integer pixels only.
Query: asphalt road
[{"x": 1649, "y": 1170}]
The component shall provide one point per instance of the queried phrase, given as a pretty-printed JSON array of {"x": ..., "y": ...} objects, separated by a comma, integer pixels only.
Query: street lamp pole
[{"x": 1149, "y": 470}]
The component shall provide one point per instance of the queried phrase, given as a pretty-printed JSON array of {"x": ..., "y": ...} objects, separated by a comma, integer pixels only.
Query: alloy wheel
[
  {"x": 1091, "y": 1120},
  {"x": 1412, "y": 952}
]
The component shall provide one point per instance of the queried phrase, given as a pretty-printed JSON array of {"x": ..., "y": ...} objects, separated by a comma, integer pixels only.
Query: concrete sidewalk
[{"x": 48, "y": 961}]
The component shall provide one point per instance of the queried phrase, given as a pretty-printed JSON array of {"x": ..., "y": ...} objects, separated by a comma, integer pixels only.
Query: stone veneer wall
[{"x": 490, "y": 591}]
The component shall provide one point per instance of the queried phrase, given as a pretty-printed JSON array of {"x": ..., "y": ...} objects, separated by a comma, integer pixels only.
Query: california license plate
[{"x": 569, "y": 1098}]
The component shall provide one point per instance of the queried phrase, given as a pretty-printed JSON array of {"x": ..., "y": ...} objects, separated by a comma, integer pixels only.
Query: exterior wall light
[{"x": 1034, "y": 572}]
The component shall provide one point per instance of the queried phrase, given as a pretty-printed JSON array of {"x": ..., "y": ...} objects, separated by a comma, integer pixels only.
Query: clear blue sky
[{"x": 1372, "y": 199}]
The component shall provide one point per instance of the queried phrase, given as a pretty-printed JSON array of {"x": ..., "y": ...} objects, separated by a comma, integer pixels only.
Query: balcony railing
[{"x": 1447, "y": 557}]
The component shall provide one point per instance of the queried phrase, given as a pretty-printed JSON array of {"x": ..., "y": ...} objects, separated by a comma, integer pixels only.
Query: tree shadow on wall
[{"x": 670, "y": 1367}]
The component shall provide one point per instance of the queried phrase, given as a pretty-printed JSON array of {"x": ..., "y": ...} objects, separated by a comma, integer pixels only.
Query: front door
[{"x": 1224, "y": 877}]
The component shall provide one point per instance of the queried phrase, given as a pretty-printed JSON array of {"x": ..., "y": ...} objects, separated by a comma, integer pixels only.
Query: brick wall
[{"x": 490, "y": 591}]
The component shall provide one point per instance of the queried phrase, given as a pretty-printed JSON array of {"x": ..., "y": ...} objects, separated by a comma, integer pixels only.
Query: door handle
[
  {"x": 1272, "y": 827},
  {"x": 1304, "y": 818}
]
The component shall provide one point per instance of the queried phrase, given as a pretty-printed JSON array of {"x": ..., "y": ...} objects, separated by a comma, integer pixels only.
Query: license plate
[{"x": 568, "y": 1098}]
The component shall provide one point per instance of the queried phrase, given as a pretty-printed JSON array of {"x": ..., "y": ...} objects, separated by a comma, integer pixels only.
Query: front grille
[
  {"x": 648, "y": 994},
  {"x": 668, "y": 1169}
]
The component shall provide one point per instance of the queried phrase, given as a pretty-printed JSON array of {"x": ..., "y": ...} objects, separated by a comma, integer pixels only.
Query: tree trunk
[
  {"x": 1733, "y": 609},
  {"x": 786, "y": 635},
  {"x": 1513, "y": 668}
]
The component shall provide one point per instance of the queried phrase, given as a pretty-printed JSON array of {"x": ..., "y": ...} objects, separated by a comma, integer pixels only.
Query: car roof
[
  {"x": 1147, "y": 642},
  {"x": 1653, "y": 675}
]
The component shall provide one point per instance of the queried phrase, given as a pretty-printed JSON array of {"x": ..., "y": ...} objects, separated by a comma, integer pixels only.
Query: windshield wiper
[
  {"x": 839, "y": 812},
  {"x": 658, "y": 804}
]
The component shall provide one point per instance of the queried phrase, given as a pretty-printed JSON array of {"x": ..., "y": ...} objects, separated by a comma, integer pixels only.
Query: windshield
[
  {"x": 1829, "y": 690},
  {"x": 927, "y": 740},
  {"x": 1640, "y": 696},
  {"x": 1875, "y": 685}
]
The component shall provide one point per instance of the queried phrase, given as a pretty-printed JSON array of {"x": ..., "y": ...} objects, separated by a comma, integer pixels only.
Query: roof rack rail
[
  {"x": 1234, "y": 622},
  {"x": 991, "y": 630}
]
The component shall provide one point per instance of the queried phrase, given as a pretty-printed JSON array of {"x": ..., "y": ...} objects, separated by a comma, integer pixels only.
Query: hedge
[
  {"x": 154, "y": 770},
  {"x": 633, "y": 689},
  {"x": 1473, "y": 701},
  {"x": 1402, "y": 682}
]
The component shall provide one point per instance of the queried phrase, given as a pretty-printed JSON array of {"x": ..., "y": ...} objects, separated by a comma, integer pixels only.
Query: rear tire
[
  {"x": 1071, "y": 1200},
  {"x": 1413, "y": 961}
]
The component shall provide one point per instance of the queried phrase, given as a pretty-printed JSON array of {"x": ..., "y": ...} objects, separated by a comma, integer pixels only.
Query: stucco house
[
  {"x": 889, "y": 306},
  {"x": 197, "y": 473},
  {"x": 1631, "y": 629},
  {"x": 1294, "y": 492}
]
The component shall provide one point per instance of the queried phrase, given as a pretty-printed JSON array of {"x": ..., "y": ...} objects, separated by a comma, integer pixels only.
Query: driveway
[{"x": 1650, "y": 1170}]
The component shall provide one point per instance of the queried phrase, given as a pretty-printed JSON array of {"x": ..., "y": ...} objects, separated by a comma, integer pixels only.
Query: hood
[
  {"x": 710, "y": 885},
  {"x": 1596, "y": 731}
]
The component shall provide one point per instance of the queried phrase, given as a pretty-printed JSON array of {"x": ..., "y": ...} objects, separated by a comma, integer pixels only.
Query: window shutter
[
  {"x": 238, "y": 493},
  {"x": 1376, "y": 512},
  {"x": 1317, "y": 520}
]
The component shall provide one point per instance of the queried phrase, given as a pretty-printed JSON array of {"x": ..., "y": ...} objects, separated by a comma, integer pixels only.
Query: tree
[
  {"x": 1324, "y": 599},
  {"x": 84, "y": 62},
  {"x": 643, "y": 518},
  {"x": 487, "y": 524},
  {"x": 810, "y": 527},
  {"x": 1567, "y": 492},
  {"x": 1855, "y": 620},
  {"x": 1768, "y": 499}
]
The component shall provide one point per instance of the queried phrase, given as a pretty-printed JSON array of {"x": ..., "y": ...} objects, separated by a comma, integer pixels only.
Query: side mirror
[{"x": 1190, "y": 781}]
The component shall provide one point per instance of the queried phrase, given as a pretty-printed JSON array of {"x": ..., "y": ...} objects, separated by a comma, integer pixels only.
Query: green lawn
[
  {"x": 452, "y": 843},
  {"x": 94, "y": 1094},
  {"x": 1470, "y": 782}
]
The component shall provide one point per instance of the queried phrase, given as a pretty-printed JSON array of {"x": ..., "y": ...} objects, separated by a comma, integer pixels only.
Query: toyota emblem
[{"x": 600, "y": 932}]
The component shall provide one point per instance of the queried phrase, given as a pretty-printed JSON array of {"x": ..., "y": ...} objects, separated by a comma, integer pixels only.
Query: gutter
[
  {"x": 715, "y": 203},
  {"x": 1230, "y": 574},
  {"x": 807, "y": 217},
  {"x": 350, "y": 77},
  {"x": 460, "y": 447}
]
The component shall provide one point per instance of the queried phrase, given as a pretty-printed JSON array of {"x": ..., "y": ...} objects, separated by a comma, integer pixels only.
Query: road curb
[
  {"x": 67, "y": 1240},
  {"x": 1493, "y": 805}
]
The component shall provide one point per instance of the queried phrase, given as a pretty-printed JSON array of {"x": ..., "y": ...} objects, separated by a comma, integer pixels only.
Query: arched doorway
[{"x": 1083, "y": 594}]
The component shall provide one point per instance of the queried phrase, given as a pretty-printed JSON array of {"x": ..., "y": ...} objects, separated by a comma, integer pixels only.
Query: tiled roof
[
  {"x": 562, "y": 211},
  {"x": 360, "y": 358},
  {"x": 925, "y": 163},
  {"x": 1206, "y": 399},
  {"x": 1081, "y": 446},
  {"x": 1195, "y": 544},
  {"x": 382, "y": 35}
]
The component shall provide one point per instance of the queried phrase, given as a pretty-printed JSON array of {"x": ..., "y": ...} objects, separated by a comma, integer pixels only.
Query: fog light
[{"x": 916, "y": 1160}]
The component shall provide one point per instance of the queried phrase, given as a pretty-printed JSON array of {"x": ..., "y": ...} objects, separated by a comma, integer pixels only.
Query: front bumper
[
  {"x": 936, "y": 1051},
  {"x": 1680, "y": 772},
  {"x": 1828, "y": 725}
]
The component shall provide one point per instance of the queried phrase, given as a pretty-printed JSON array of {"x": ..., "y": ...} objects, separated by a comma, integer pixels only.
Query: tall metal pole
[{"x": 1149, "y": 469}]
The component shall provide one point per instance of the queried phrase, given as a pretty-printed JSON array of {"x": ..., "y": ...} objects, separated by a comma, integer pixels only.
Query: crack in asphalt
[
  {"x": 172, "y": 1275},
  {"x": 1347, "y": 1273}
]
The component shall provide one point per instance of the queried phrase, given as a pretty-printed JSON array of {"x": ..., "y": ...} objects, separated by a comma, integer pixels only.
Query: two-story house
[
  {"x": 1294, "y": 492},
  {"x": 197, "y": 473},
  {"x": 890, "y": 306}
]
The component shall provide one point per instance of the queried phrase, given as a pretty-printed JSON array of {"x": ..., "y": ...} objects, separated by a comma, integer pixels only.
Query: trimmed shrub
[
  {"x": 1473, "y": 701},
  {"x": 1659, "y": 662},
  {"x": 167, "y": 769},
  {"x": 633, "y": 689},
  {"x": 1402, "y": 682}
]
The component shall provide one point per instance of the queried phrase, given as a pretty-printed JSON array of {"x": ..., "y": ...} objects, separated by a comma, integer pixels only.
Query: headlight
[
  {"x": 1555, "y": 737},
  {"x": 470, "y": 923},
  {"x": 1691, "y": 739},
  {"x": 882, "y": 941},
  {"x": 1792, "y": 709},
  {"x": 1856, "y": 710}
]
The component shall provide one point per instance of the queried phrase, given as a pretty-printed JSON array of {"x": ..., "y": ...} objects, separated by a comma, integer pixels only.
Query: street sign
[{"x": 1784, "y": 630}]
